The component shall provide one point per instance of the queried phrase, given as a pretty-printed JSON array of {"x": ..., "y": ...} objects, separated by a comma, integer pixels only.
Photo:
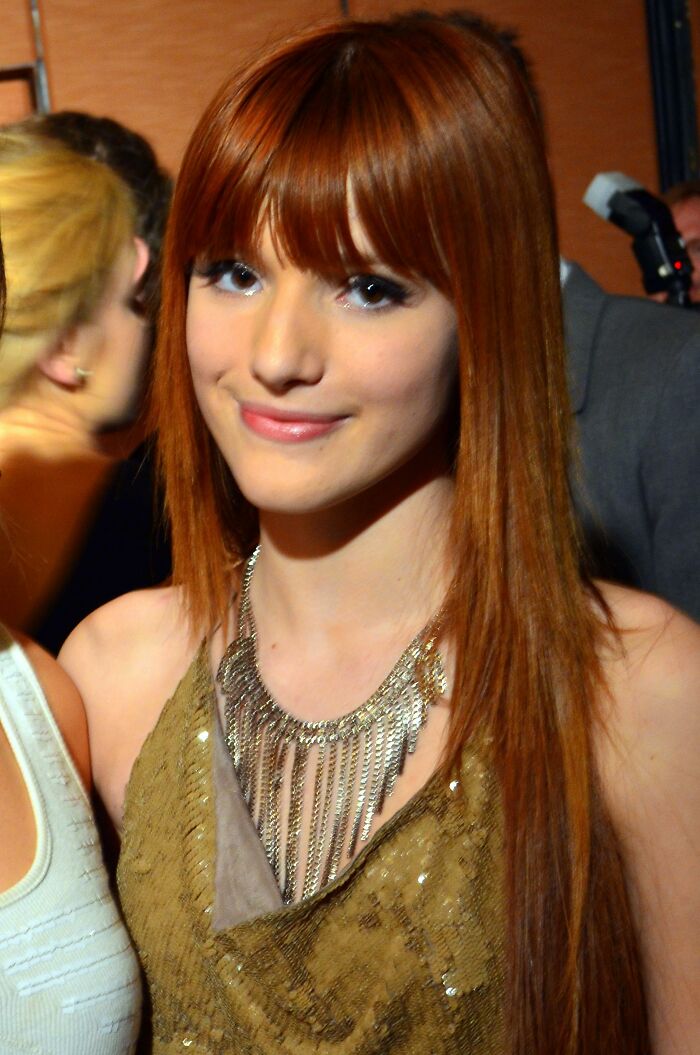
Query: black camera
[{"x": 657, "y": 245}]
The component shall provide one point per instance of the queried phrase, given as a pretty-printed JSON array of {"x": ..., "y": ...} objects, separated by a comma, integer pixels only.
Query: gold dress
[{"x": 401, "y": 954}]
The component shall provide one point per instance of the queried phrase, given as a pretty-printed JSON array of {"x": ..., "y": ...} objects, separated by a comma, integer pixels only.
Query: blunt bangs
[{"x": 355, "y": 140}]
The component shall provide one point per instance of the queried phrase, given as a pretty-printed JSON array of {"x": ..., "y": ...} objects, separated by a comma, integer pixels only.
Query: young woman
[
  {"x": 69, "y": 980},
  {"x": 391, "y": 775},
  {"x": 71, "y": 356}
]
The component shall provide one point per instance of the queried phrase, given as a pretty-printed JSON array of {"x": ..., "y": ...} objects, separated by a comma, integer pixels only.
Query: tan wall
[
  {"x": 590, "y": 62},
  {"x": 154, "y": 64}
]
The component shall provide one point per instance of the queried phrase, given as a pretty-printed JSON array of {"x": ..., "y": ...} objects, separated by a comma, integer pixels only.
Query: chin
[
  {"x": 120, "y": 419},
  {"x": 302, "y": 497},
  {"x": 289, "y": 502}
]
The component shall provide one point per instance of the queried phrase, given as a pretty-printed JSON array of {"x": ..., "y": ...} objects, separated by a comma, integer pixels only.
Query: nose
[{"x": 288, "y": 341}]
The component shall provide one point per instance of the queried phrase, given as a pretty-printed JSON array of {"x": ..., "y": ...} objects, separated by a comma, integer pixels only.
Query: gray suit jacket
[{"x": 634, "y": 371}]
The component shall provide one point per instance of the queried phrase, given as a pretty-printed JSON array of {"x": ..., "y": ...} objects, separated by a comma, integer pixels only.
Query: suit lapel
[{"x": 584, "y": 303}]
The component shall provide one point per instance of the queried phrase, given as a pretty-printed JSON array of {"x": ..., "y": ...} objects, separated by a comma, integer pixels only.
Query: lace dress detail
[{"x": 69, "y": 979}]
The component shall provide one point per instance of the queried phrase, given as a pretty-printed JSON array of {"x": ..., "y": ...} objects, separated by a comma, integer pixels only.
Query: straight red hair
[{"x": 431, "y": 128}]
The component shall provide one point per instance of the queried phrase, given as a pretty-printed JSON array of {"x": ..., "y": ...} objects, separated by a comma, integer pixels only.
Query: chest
[{"x": 404, "y": 946}]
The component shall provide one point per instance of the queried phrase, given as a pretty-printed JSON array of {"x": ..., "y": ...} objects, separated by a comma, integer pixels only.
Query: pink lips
[{"x": 287, "y": 426}]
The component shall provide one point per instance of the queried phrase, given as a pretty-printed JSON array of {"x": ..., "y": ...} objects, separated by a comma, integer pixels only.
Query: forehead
[
  {"x": 687, "y": 216},
  {"x": 359, "y": 235}
]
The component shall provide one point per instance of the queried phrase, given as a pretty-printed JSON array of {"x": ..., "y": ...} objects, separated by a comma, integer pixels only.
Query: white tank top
[{"x": 69, "y": 979}]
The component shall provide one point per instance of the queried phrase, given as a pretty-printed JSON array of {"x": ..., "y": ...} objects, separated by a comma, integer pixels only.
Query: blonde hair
[{"x": 64, "y": 220}]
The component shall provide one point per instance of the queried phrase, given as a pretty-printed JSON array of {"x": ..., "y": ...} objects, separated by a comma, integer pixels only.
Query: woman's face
[
  {"x": 114, "y": 344},
  {"x": 315, "y": 389}
]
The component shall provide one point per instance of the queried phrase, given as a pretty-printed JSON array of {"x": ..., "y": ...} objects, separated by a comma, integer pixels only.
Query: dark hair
[
  {"x": 506, "y": 36},
  {"x": 432, "y": 129},
  {"x": 133, "y": 159},
  {"x": 682, "y": 192}
]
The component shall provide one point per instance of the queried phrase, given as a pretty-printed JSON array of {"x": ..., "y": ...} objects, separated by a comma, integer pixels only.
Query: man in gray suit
[{"x": 634, "y": 370}]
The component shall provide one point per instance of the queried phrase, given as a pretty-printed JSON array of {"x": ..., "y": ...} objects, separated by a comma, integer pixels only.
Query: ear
[
  {"x": 60, "y": 362},
  {"x": 143, "y": 255}
]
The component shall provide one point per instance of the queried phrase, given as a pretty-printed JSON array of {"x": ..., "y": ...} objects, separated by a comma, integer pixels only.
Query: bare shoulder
[
  {"x": 121, "y": 636},
  {"x": 65, "y": 703},
  {"x": 652, "y": 721},
  {"x": 126, "y": 659},
  {"x": 648, "y": 756},
  {"x": 653, "y": 667}
]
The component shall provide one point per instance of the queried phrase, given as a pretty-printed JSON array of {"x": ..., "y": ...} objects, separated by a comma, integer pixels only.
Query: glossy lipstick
[{"x": 287, "y": 426}]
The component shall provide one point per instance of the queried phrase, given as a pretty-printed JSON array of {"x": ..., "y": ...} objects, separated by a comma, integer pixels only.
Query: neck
[
  {"x": 49, "y": 426},
  {"x": 380, "y": 559}
]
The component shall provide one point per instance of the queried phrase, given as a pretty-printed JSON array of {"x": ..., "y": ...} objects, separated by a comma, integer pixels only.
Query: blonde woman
[
  {"x": 71, "y": 356},
  {"x": 69, "y": 981}
]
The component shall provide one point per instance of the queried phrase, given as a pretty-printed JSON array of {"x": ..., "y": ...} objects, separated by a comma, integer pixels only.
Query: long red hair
[{"x": 433, "y": 129}]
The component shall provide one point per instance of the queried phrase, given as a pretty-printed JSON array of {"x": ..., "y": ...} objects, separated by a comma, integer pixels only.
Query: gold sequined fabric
[{"x": 402, "y": 954}]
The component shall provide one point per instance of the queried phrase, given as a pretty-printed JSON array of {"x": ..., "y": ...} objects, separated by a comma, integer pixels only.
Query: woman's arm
[
  {"x": 649, "y": 757},
  {"x": 126, "y": 659}
]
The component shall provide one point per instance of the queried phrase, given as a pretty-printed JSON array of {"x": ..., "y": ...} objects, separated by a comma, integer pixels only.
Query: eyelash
[
  {"x": 390, "y": 291},
  {"x": 213, "y": 272}
]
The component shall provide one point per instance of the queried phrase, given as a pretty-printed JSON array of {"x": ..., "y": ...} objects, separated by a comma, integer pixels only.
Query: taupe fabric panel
[{"x": 245, "y": 883}]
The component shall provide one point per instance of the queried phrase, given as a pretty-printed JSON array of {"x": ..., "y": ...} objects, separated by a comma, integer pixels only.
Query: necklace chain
[{"x": 352, "y": 762}]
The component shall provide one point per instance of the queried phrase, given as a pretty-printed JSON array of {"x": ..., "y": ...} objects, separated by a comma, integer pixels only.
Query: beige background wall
[{"x": 154, "y": 64}]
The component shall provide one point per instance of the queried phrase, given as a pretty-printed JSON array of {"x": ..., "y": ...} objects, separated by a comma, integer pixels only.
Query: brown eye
[
  {"x": 243, "y": 277},
  {"x": 230, "y": 276},
  {"x": 373, "y": 292}
]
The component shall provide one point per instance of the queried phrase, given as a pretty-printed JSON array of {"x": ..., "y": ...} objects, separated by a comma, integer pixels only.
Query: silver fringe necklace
[{"x": 353, "y": 762}]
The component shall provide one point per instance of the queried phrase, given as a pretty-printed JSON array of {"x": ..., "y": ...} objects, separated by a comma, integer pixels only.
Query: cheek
[
  {"x": 208, "y": 345},
  {"x": 418, "y": 379},
  {"x": 137, "y": 336},
  {"x": 130, "y": 348},
  {"x": 197, "y": 343}
]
